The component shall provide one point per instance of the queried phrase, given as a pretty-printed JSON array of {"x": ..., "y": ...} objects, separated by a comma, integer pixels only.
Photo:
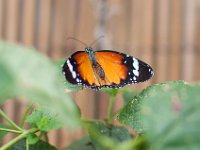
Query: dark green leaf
[
  {"x": 83, "y": 144},
  {"x": 40, "y": 145},
  {"x": 44, "y": 120},
  {"x": 117, "y": 134},
  {"x": 27, "y": 74}
]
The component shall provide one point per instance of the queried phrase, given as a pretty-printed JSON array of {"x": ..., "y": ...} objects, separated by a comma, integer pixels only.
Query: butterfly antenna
[
  {"x": 72, "y": 38},
  {"x": 102, "y": 36}
]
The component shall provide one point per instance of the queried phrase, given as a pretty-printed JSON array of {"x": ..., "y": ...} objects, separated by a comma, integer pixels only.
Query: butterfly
[{"x": 104, "y": 69}]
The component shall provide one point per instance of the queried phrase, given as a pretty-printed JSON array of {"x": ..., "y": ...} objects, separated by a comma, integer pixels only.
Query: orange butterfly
[{"x": 105, "y": 68}]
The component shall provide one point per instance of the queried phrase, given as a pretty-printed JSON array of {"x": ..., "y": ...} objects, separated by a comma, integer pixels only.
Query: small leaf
[
  {"x": 44, "y": 120},
  {"x": 84, "y": 143},
  {"x": 40, "y": 145},
  {"x": 32, "y": 138}
]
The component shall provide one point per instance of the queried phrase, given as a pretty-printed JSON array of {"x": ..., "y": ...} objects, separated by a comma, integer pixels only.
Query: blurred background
[{"x": 163, "y": 33}]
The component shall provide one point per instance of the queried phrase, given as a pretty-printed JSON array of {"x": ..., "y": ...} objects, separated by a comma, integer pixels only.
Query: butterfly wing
[
  {"x": 121, "y": 69},
  {"x": 78, "y": 70}
]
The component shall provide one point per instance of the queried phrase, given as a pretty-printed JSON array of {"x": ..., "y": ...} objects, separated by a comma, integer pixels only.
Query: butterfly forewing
[
  {"x": 77, "y": 69},
  {"x": 128, "y": 69}
]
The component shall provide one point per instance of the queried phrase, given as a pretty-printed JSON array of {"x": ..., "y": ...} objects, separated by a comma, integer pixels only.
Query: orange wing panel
[
  {"x": 85, "y": 68},
  {"x": 111, "y": 63}
]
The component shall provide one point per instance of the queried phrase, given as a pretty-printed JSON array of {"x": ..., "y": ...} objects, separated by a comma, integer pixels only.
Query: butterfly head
[{"x": 88, "y": 50}]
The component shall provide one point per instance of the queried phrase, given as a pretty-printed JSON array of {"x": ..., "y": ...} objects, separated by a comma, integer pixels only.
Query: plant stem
[
  {"x": 10, "y": 130},
  {"x": 27, "y": 145},
  {"x": 18, "y": 138},
  {"x": 10, "y": 121},
  {"x": 28, "y": 108},
  {"x": 110, "y": 109}
]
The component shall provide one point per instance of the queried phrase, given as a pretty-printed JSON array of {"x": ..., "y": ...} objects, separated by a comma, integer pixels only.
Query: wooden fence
[{"x": 164, "y": 33}]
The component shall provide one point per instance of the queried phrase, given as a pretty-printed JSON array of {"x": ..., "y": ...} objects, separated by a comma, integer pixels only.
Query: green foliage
[
  {"x": 40, "y": 145},
  {"x": 128, "y": 95},
  {"x": 111, "y": 92},
  {"x": 169, "y": 115},
  {"x": 163, "y": 116},
  {"x": 3, "y": 133},
  {"x": 84, "y": 143},
  {"x": 105, "y": 136},
  {"x": 27, "y": 74},
  {"x": 32, "y": 139},
  {"x": 44, "y": 120}
]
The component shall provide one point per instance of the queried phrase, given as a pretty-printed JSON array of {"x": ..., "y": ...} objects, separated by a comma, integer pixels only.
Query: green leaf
[
  {"x": 7, "y": 83},
  {"x": 169, "y": 115},
  {"x": 32, "y": 138},
  {"x": 130, "y": 114},
  {"x": 29, "y": 75},
  {"x": 116, "y": 134},
  {"x": 110, "y": 91},
  {"x": 3, "y": 133},
  {"x": 84, "y": 143},
  {"x": 44, "y": 120},
  {"x": 40, "y": 145},
  {"x": 128, "y": 95}
]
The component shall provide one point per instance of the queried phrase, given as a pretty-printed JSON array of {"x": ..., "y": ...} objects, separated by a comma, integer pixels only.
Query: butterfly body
[{"x": 105, "y": 68}]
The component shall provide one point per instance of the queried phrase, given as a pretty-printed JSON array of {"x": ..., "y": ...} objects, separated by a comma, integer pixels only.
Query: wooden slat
[
  {"x": 57, "y": 30},
  {"x": 42, "y": 39},
  {"x": 197, "y": 47},
  {"x": 70, "y": 13},
  {"x": 189, "y": 29},
  {"x": 12, "y": 20},
  {"x": 175, "y": 40},
  {"x": 27, "y": 25},
  {"x": 162, "y": 40},
  {"x": 146, "y": 46},
  {"x": 2, "y": 12}
]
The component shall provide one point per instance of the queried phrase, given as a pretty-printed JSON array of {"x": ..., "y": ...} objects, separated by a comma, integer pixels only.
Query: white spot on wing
[
  {"x": 134, "y": 78},
  {"x": 135, "y": 64},
  {"x": 71, "y": 69},
  {"x": 136, "y": 67}
]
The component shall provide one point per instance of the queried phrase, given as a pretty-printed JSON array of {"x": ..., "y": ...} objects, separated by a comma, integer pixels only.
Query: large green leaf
[
  {"x": 29, "y": 75},
  {"x": 169, "y": 115}
]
